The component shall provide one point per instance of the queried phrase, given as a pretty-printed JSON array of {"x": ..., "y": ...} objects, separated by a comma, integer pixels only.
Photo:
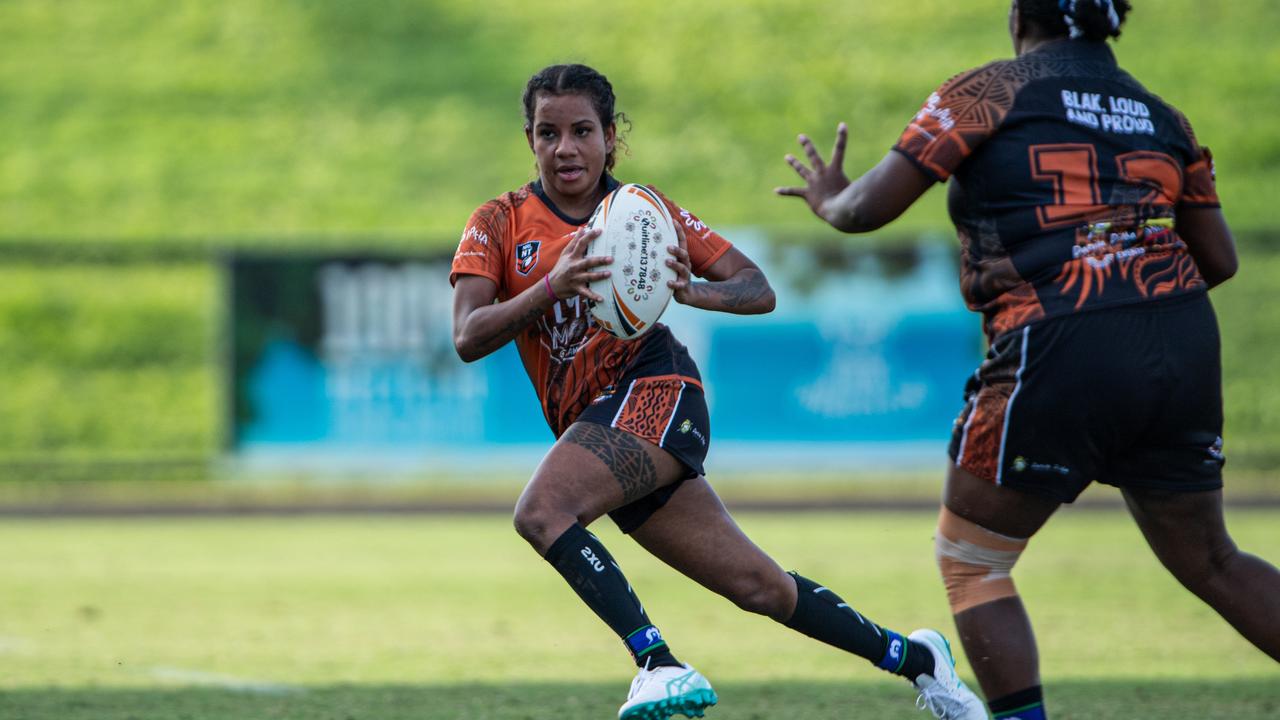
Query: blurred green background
[{"x": 143, "y": 138}]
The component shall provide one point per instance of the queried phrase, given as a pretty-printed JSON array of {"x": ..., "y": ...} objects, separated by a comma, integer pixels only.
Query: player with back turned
[
  {"x": 1090, "y": 232},
  {"x": 630, "y": 417}
]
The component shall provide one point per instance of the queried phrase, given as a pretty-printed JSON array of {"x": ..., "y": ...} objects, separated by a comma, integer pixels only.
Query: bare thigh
[
  {"x": 1189, "y": 536},
  {"x": 999, "y": 509},
  {"x": 695, "y": 534},
  {"x": 591, "y": 470},
  {"x": 1186, "y": 531}
]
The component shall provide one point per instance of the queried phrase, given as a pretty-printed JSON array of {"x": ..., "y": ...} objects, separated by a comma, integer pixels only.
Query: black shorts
[
  {"x": 669, "y": 411},
  {"x": 1129, "y": 396}
]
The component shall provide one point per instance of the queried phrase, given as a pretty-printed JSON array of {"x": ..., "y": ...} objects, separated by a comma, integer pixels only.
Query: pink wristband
[{"x": 546, "y": 280}]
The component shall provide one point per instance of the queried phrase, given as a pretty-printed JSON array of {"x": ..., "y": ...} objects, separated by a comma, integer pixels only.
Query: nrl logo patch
[{"x": 527, "y": 256}]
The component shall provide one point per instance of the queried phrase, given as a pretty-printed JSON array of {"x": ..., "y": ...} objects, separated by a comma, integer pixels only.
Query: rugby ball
[{"x": 635, "y": 229}]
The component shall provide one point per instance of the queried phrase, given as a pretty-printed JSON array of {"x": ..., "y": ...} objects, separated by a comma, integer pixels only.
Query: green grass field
[{"x": 426, "y": 617}]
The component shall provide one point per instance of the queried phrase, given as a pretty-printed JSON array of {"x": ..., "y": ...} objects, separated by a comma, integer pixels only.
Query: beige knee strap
[{"x": 975, "y": 562}]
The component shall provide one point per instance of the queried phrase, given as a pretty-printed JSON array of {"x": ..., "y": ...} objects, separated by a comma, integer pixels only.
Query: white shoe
[
  {"x": 659, "y": 693},
  {"x": 944, "y": 694}
]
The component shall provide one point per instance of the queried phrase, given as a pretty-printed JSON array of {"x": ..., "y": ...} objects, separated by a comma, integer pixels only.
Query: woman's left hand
[{"x": 681, "y": 286}]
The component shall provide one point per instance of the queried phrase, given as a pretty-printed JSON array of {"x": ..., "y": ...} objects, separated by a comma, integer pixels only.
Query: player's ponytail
[{"x": 1093, "y": 20}]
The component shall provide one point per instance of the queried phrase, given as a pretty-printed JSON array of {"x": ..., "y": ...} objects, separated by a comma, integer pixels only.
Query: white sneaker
[
  {"x": 944, "y": 694},
  {"x": 659, "y": 693}
]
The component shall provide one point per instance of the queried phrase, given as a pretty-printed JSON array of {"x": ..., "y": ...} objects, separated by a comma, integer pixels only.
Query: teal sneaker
[
  {"x": 659, "y": 693},
  {"x": 943, "y": 693}
]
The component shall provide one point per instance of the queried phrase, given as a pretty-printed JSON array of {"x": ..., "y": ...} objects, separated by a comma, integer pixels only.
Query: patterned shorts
[
  {"x": 1129, "y": 396},
  {"x": 669, "y": 411}
]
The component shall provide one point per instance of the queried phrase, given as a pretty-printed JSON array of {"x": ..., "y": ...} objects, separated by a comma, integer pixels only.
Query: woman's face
[{"x": 570, "y": 145}]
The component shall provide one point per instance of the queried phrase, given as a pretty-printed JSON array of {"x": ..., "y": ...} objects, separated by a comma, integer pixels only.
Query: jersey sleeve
[
  {"x": 1199, "y": 183},
  {"x": 480, "y": 249},
  {"x": 956, "y": 119},
  {"x": 705, "y": 245}
]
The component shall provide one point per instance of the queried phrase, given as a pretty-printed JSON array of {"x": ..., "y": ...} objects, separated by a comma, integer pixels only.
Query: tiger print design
[
  {"x": 1163, "y": 267},
  {"x": 571, "y": 386}
]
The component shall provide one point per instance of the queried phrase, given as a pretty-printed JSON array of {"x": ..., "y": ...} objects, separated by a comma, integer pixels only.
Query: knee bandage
[{"x": 975, "y": 562}]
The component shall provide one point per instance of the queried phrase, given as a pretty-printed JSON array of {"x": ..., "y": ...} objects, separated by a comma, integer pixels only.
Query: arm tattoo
[
  {"x": 500, "y": 336},
  {"x": 624, "y": 455},
  {"x": 743, "y": 289}
]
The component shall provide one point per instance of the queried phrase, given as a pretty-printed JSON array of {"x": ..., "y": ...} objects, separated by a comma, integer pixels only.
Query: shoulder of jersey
[
  {"x": 502, "y": 206},
  {"x": 980, "y": 73},
  {"x": 636, "y": 228}
]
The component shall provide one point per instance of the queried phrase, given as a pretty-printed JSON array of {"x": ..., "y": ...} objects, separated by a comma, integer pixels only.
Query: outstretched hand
[
  {"x": 823, "y": 181},
  {"x": 573, "y": 272}
]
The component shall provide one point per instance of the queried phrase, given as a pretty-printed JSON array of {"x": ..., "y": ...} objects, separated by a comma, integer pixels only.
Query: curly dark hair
[
  {"x": 1090, "y": 18},
  {"x": 575, "y": 79}
]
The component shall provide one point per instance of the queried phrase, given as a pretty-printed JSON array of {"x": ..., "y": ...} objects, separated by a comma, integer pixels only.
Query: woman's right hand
[
  {"x": 574, "y": 271},
  {"x": 876, "y": 198},
  {"x": 823, "y": 181}
]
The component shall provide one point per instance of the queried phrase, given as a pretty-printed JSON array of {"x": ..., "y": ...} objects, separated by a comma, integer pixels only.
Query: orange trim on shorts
[
  {"x": 980, "y": 453},
  {"x": 649, "y": 406},
  {"x": 683, "y": 378}
]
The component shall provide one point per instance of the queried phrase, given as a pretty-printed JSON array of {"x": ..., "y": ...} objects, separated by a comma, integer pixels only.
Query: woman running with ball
[{"x": 630, "y": 417}]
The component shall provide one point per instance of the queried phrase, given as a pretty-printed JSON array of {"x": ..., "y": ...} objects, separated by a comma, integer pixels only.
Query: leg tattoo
[{"x": 622, "y": 453}]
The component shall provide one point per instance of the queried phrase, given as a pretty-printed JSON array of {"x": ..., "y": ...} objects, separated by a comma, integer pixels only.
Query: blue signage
[{"x": 350, "y": 361}]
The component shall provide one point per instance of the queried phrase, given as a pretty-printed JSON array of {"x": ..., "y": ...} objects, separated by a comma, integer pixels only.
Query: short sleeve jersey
[
  {"x": 1067, "y": 176},
  {"x": 515, "y": 240}
]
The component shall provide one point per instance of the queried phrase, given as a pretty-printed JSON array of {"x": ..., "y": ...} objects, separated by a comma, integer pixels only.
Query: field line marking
[
  {"x": 13, "y": 645},
  {"x": 226, "y": 682}
]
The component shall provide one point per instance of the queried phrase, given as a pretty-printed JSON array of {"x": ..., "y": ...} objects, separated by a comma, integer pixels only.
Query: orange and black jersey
[
  {"x": 515, "y": 240},
  {"x": 1068, "y": 175}
]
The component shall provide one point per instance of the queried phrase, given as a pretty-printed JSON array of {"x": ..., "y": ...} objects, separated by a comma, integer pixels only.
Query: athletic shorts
[
  {"x": 667, "y": 410},
  {"x": 1129, "y": 396}
]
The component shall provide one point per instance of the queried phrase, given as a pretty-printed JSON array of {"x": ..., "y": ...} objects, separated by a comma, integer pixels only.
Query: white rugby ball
[{"x": 635, "y": 229}]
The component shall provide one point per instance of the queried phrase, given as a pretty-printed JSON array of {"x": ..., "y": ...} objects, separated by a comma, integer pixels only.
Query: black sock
[
  {"x": 592, "y": 573},
  {"x": 822, "y": 615},
  {"x": 1025, "y": 705}
]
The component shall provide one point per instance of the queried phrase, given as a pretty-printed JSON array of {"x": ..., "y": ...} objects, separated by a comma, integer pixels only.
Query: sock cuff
[
  {"x": 804, "y": 594},
  {"x": 1034, "y": 711},
  {"x": 802, "y": 582},
  {"x": 573, "y": 534},
  {"x": 644, "y": 641},
  {"x": 895, "y": 651},
  {"x": 1018, "y": 704}
]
